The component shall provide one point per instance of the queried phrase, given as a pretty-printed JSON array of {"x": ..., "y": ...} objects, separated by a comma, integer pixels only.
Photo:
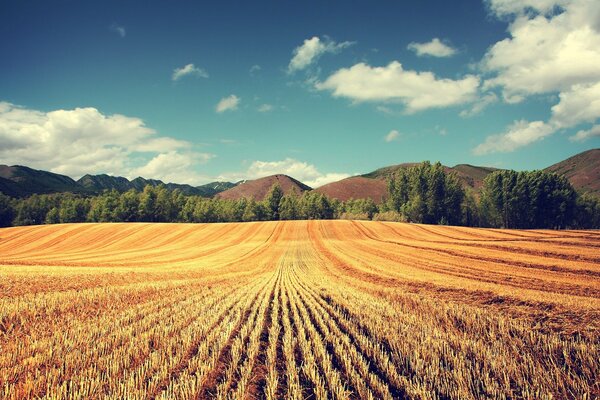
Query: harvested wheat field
[{"x": 295, "y": 310}]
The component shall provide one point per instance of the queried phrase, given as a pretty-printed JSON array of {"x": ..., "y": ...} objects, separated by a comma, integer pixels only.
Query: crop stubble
[{"x": 298, "y": 309}]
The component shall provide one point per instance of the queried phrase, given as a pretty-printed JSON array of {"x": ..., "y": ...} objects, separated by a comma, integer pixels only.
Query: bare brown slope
[
  {"x": 259, "y": 188},
  {"x": 471, "y": 176},
  {"x": 582, "y": 170},
  {"x": 356, "y": 187}
]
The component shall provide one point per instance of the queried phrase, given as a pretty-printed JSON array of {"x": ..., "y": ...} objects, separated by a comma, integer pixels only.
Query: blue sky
[{"x": 191, "y": 92}]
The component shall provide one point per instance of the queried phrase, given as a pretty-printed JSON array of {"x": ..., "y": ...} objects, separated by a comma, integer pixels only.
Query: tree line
[{"x": 424, "y": 193}]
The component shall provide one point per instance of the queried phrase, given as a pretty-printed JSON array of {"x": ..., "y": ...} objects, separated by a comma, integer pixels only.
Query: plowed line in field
[
  {"x": 193, "y": 349},
  {"x": 258, "y": 372},
  {"x": 311, "y": 371},
  {"x": 335, "y": 319},
  {"x": 461, "y": 255},
  {"x": 533, "y": 309},
  {"x": 216, "y": 375},
  {"x": 459, "y": 269},
  {"x": 467, "y": 243},
  {"x": 364, "y": 365},
  {"x": 317, "y": 350}
]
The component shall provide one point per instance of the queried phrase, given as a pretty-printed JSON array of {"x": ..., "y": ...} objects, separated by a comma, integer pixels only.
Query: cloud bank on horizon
[{"x": 548, "y": 56}]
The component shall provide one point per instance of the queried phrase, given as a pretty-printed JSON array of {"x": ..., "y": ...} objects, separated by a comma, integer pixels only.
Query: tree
[
  {"x": 7, "y": 211},
  {"x": 528, "y": 199},
  {"x": 587, "y": 212},
  {"x": 273, "y": 200},
  {"x": 147, "y": 204},
  {"x": 288, "y": 207},
  {"x": 425, "y": 193},
  {"x": 128, "y": 206}
]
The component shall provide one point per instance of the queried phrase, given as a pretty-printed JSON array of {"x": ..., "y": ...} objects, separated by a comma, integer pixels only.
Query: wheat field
[{"x": 298, "y": 310}]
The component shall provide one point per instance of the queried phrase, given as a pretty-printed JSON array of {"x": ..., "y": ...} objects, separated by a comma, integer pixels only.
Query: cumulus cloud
[
  {"x": 303, "y": 171},
  {"x": 228, "y": 103},
  {"x": 416, "y": 90},
  {"x": 503, "y": 8},
  {"x": 581, "y": 103},
  {"x": 553, "y": 47},
  {"x": 545, "y": 53},
  {"x": 519, "y": 134},
  {"x": 188, "y": 70},
  {"x": 173, "y": 166},
  {"x": 392, "y": 135},
  {"x": 584, "y": 135},
  {"x": 83, "y": 140},
  {"x": 119, "y": 30},
  {"x": 434, "y": 48},
  {"x": 310, "y": 51},
  {"x": 481, "y": 104}
]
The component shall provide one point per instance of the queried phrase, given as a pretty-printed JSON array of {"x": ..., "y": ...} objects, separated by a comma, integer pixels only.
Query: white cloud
[
  {"x": 392, "y": 135},
  {"x": 546, "y": 53},
  {"x": 553, "y": 47},
  {"x": 173, "y": 167},
  {"x": 581, "y": 103},
  {"x": 480, "y": 105},
  {"x": 188, "y": 70},
  {"x": 584, "y": 135},
  {"x": 434, "y": 48},
  {"x": 519, "y": 134},
  {"x": 83, "y": 140},
  {"x": 310, "y": 51},
  {"x": 416, "y": 90},
  {"x": 228, "y": 103},
  {"x": 119, "y": 30},
  {"x": 504, "y": 8},
  {"x": 263, "y": 108},
  {"x": 303, "y": 171}
]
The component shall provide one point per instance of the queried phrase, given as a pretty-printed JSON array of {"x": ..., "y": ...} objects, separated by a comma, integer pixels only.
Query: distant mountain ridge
[
  {"x": 582, "y": 170},
  {"x": 20, "y": 181}
]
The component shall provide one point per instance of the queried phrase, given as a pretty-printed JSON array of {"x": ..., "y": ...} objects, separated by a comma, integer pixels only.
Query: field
[{"x": 300, "y": 309}]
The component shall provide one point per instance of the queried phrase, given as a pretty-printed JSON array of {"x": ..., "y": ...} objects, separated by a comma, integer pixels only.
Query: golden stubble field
[{"x": 300, "y": 309}]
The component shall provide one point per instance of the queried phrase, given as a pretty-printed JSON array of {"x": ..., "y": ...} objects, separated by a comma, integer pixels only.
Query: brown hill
[
  {"x": 356, "y": 187},
  {"x": 470, "y": 175},
  {"x": 259, "y": 188},
  {"x": 582, "y": 170}
]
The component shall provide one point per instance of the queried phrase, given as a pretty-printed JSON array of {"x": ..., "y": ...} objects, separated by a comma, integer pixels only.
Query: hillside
[
  {"x": 18, "y": 181},
  {"x": 258, "y": 188},
  {"x": 470, "y": 175},
  {"x": 356, "y": 187},
  {"x": 582, "y": 170}
]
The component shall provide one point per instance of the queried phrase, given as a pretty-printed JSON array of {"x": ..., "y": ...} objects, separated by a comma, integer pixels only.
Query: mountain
[
  {"x": 259, "y": 188},
  {"x": 211, "y": 189},
  {"x": 582, "y": 170},
  {"x": 19, "y": 181},
  {"x": 356, "y": 187},
  {"x": 471, "y": 176},
  {"x": 98, "y": 183}
]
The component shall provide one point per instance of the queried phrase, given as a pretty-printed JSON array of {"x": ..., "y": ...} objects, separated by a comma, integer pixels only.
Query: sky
[{"x": 192, "y": 92}]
